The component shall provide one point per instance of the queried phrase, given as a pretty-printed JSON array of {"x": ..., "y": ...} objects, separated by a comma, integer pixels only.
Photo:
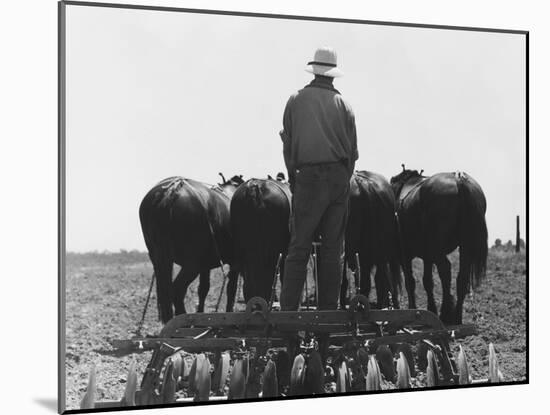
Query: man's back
[{"x": 321, "y": 126}]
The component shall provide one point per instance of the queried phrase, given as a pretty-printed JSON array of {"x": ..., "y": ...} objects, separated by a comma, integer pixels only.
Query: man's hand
[
  {"x": 291, "y": 180},
  {"x": 288, "y": 159}
]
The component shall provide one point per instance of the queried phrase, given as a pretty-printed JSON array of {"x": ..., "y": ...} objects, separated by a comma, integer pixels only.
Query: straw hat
[{"x": 324, "y": 63}]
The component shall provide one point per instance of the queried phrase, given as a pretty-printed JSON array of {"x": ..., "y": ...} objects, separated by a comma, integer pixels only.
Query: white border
[{"x": 29, "y": 183}]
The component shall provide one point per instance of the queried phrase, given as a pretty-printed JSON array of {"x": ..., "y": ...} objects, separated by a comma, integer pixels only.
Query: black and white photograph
[{"x": 270, "y": 206}]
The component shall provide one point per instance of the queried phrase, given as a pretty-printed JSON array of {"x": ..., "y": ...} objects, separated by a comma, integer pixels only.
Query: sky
[{"x": 155, "y": 94}]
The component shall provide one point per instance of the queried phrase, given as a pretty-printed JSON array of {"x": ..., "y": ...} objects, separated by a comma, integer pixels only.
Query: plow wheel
[
  {"x": 406, "y": 349},
  {"x": 373, "y": 375},
  {"x": 88, "y": 400},
  {"x": 432, "y": 371},
  {"x": 384, "y": 356},
  {"x": 270, "y": 384},
  {"x": 297, "y": 376},
  {"x": 177, "y": 360},
  {"x": 237, "y": 381},
  {"x": 403, "y": 372},
  {"x": 495, "y": 376},
  {"x": 283, "y": 370},
  {"x": 363, "y": 356},
  {"x": 168, "y": 389},
  {"x": 357, "y": 372},
  {"x": 421, "y": 356},
  {"x": 202, "y": 378},
  {"x": 220, "y": 375},
  {"x": 343, "y": 381},
  {"x": 184, "y": 374},
  {"x": 129, "y": 398},
  {"x": 314, "y": 383},
  {"x": 464, "y": 377},
  {"x": 191, "y": 384},
  {"x": 253, "y": 381}
]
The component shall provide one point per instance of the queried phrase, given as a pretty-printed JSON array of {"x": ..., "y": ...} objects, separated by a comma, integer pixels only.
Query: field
[{"x": 106, "y": 292}]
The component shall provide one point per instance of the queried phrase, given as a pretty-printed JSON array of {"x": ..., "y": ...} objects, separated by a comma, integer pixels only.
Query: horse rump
[
  {"x": 259, "y": 224},
  {"x": 158, "y": 248},
  {"x": 473, "y": 232}
]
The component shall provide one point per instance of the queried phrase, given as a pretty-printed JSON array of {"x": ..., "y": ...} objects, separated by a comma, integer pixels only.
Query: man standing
[{"x": 320, "y": 150}]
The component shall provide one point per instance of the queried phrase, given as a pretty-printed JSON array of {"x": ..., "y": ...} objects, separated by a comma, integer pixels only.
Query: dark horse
[
  {"x": 372, "y": 233},
  {"x": 436, "y": 215},
  {"x": 187, "y": 222},
  {"x": 260, "y": 212}
]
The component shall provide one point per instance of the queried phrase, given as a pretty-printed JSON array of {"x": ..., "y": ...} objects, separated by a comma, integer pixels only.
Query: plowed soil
[{"x": 106, "y": 292}]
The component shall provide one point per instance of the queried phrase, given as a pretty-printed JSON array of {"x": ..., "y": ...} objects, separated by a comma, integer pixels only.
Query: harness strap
[
  {"x": 414, "y": 187},
  {"x": 284, "y": 190}
]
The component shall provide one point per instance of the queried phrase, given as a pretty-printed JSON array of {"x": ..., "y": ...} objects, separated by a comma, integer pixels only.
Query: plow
[{"x": 266, "y": 353}]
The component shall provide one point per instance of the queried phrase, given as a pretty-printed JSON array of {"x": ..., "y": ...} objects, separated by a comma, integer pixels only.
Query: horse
[
  {"x": 436, "y": 215},
  {"x": 372, "y": 233},
  {"x": 186, "y": 222},
  {"x": 260, "y": 211}
]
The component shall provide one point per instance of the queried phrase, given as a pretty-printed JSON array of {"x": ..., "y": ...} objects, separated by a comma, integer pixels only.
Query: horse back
[
  {"x": 183, "y": 216},
  {"x": 430, "y": 212}
]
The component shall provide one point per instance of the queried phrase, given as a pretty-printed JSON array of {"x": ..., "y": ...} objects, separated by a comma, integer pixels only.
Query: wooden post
[{"x": 517, "y": 234}]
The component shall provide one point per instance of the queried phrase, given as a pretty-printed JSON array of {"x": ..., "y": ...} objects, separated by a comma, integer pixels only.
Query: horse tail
[
  {"x": 247, "y": 227},
  {"x": 268, "y": 240},
  {"x": 155, "y": 235},
  {"x": 163, "y": 267},
  {"x": 396, "y": 254},
  {"x": 390, "y": 229},
  {"x": 473, "y": 232},
  {"x": 258, "y": 246}
]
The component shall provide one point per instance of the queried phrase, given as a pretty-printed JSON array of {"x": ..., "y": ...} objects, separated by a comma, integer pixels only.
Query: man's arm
[
  {"x": 285, "y": 134},
  {"x": 286, "y": 149},
  {"x": 353, "y": 138}
]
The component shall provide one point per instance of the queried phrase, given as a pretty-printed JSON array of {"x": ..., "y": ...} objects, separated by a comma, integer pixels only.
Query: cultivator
[{"x": 262, "y": 353}]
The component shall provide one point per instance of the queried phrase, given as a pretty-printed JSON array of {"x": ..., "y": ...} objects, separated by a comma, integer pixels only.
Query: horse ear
[
  {"x": 421, "y": 171},
  {"x": 223, "y": 178},
  {"x": 402, "y": 165}
]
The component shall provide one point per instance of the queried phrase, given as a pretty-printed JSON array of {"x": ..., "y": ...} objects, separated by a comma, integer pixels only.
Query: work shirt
[{"x": 319, "y": 127}]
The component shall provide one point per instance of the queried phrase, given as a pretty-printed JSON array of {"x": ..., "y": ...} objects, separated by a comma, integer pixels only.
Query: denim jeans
[{"x": 319, "y": 203}]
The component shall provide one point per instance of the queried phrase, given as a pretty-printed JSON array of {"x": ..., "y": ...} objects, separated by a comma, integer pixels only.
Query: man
[{"x": 320, "y": 150}]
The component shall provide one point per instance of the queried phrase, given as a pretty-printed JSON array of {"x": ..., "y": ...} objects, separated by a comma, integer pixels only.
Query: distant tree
[
  {"x": 522, "y": 243},
  {"x": 498, "y": 243},
  {"x": 509, "y": 246}
]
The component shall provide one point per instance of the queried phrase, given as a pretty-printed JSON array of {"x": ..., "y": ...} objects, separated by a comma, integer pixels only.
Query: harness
[
  {"x": 219, "y": 189},
  {"x": 284, "y": 189},
  {"x": 410, "y": 191}
]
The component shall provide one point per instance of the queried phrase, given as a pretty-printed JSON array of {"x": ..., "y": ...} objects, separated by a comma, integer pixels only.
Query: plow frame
[{"x": 260, "y": 329}]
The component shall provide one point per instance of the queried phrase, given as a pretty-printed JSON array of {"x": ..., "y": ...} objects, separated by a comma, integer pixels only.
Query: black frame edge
[
  {"x": 61, "y": 102},
  {"x": 527, "y": 245},
  {"x": 290, "y": 17}
]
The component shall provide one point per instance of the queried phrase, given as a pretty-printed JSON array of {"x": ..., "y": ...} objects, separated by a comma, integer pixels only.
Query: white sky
[{"x": 152, "y": 94}]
